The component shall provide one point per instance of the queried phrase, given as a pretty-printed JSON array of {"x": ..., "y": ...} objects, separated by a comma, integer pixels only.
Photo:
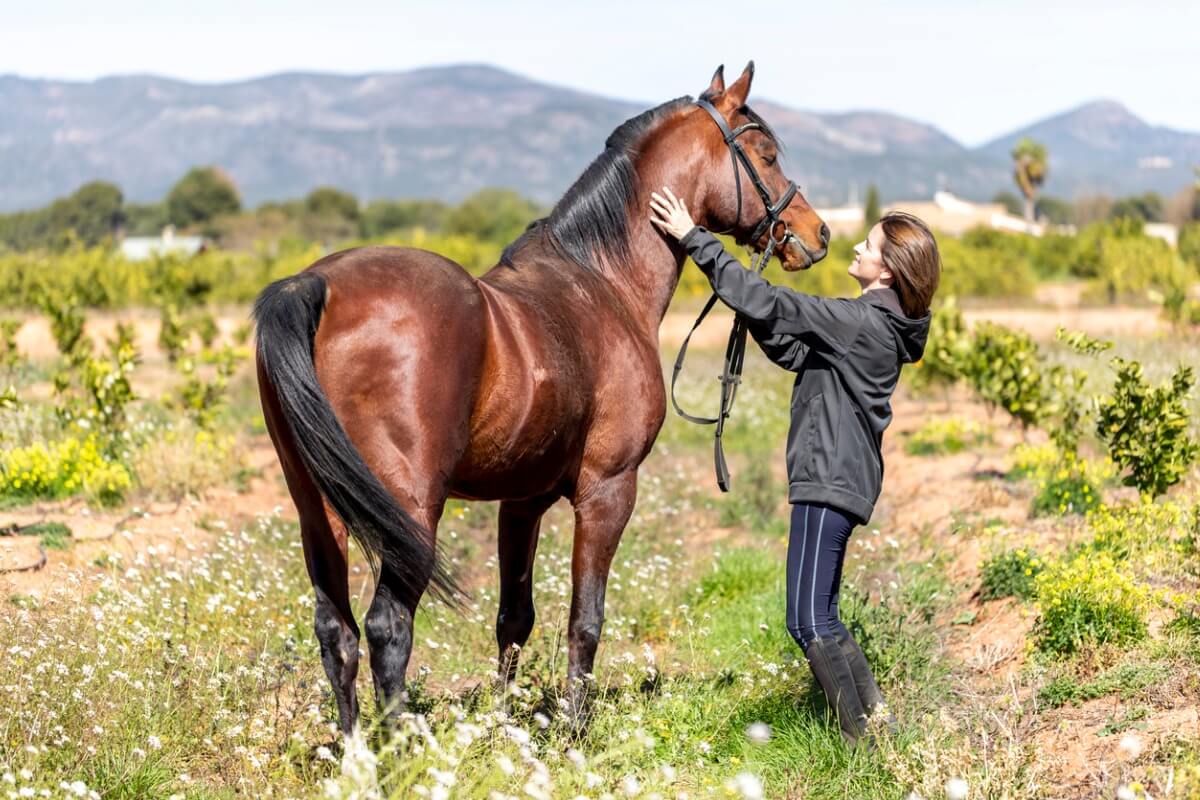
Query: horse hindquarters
[{"x": 336, "y": 492}]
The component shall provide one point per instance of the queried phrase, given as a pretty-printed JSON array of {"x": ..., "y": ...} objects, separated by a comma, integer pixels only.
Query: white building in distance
[{"x": 143, "y": 248}]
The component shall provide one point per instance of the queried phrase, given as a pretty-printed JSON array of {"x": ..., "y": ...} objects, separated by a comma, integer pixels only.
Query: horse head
[{"x": 732, "y": 201}]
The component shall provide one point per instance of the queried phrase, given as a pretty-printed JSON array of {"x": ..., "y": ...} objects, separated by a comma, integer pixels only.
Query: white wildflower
[
  {"x": 1131, "y": 745},
  {"x": 759, "y": 732},
  {"x": 747, "y": 785}
]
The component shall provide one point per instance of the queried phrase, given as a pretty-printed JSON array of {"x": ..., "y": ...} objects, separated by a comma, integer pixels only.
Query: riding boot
[
  {"x": 868, "y": 690},
  {"x": 832, "y": 671}
]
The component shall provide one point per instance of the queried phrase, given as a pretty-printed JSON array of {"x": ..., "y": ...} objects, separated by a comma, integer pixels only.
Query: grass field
[{"x": 166, "y": 648}]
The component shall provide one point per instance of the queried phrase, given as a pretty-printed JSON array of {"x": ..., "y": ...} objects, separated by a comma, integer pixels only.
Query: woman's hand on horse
[{"x": 670, "y": 214}]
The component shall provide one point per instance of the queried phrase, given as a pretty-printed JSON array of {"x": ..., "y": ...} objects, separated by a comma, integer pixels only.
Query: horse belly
[{"x": 525, "y": 441}]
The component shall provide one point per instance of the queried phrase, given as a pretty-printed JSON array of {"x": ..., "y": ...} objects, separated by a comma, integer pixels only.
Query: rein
[{"x": 735, "y": 349}]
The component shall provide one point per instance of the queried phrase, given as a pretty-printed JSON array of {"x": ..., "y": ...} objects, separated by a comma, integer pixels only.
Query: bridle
[
  {"x": 735, "y": 349},
  {"x": 738, "y": 153}
]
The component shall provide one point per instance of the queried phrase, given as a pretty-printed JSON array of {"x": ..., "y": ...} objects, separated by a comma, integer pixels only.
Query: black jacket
[{"x": 847, "y": 353}]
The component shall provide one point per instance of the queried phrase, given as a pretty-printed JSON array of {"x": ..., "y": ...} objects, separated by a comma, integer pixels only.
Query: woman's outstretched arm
[{"x": 830, "y": 324}]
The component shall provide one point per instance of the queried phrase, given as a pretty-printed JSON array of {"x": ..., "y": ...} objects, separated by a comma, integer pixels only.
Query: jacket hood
[{"x": 910, "y": 333}]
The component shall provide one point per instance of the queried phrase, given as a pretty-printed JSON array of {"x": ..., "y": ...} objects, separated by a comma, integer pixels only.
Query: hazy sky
[{"x": 975, "y": 69}]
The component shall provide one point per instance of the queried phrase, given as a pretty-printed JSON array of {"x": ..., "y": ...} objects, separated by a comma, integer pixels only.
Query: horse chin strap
[{"x": 735, "y": 349}]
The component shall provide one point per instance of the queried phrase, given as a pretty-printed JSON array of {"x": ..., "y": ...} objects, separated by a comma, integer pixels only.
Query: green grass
[
  {"x": 1127, "y": 680},
  {"x": 52, "y": 535},
  {"x": 197, "y": 677}
]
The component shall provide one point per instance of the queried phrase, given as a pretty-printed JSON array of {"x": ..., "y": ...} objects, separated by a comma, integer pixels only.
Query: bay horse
[{"x": 392, "y": 379}]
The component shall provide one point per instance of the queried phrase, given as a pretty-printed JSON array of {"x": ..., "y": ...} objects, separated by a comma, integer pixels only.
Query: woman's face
[{"x": 868, "y": 265}]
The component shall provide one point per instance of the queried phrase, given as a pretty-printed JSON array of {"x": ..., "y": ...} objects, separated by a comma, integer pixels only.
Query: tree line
[{"x": 206, "y": 201}]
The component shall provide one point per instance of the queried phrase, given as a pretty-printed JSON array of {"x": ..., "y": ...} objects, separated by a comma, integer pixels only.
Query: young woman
[{"x": 847, "y": 354}]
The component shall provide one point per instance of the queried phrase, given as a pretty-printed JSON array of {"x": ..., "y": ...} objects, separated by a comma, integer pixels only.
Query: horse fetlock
[{"x": 514, "y": 626}]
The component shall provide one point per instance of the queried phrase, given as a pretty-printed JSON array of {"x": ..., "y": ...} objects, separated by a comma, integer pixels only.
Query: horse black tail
[{"x": 287, "y": 314}]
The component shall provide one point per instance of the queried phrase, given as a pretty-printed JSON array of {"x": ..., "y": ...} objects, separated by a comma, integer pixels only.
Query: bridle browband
[{"x": 735, "y": 349}]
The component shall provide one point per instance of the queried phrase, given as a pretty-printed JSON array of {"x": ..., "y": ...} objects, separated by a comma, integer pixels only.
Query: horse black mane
[{"x": 590, "y": 219}]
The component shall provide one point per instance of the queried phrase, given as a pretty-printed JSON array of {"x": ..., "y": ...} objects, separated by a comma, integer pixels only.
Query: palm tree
[
  {"x": 1196, "y": 194},
  {"x": 1030, "y": 173}
]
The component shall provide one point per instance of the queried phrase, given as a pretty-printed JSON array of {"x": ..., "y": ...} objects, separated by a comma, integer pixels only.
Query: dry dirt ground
[{"x": 928, "y": 506}]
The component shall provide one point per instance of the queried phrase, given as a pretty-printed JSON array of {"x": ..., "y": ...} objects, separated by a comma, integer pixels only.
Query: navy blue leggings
[{"x": 816, "y": 550}]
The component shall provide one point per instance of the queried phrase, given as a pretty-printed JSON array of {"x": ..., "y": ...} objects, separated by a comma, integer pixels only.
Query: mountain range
[{"x": 444, "y": 132}]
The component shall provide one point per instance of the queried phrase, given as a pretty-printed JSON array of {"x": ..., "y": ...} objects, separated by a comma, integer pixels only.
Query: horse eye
[{"x": 769, "y": 161}]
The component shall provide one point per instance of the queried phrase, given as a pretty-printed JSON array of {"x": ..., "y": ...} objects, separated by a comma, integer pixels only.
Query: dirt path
[{"x": 180, "y": 528}]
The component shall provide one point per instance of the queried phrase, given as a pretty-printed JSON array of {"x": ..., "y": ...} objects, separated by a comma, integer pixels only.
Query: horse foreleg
[
  {"x": 600, "y": 518},
  {"x": 520, "y": 522}
]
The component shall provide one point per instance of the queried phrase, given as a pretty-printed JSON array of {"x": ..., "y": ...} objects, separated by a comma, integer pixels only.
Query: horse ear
[
  {"x": 737, "y": 93},
  {"x": 717, "y": 85}
]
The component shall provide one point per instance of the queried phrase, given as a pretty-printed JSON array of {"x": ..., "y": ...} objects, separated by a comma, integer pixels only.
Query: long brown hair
[{"x": 911, "y": 253}]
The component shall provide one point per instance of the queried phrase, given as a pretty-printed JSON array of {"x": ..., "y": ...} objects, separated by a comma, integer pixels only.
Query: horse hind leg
[
  {"x": 336, "y": 630},
  {"x": 389, "y": 627},
  {"x": 334, "y": 625},
  {"x": 324, "y": 540}
]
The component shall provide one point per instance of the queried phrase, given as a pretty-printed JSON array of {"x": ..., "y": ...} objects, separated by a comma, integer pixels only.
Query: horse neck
[{"x": 648, "y": 281}]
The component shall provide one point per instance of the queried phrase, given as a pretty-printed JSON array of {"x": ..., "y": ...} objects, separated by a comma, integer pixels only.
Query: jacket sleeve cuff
[{"x": 691, "y": 236}]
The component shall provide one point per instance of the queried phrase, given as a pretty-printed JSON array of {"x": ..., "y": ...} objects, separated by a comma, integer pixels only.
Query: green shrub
[
  {"x": 1146, "y": 429},
  {"x": 10, "y": 356},
  {"x": 1130, "y": 530},
  {"x": 1068, "y": 410},
  {"x": 1005, "y": 368},
  {"x": 93, "y": 393},
  {"x": 1189, "y": 244},
  {"x": 1088, "y": 599},
  {"x": 1033, "y": 461},
  {"x": 1177, "y": 307},
  {"x": 1127, "y": 680},
  {"x": 947, "y": 349},
  {"x": 992, "y": 269},
  {"x": 52, "y": 535},
  {"x": 71, "y": 466},
  {"x": 201, "y": 397},
  {"x": 172, "y": 334},
  {"x": 1052, "y": 256},
  {"x": 1070, "y": 487},
  {"x": 1010, "y": 574},
  {"x": 1123, "y": 262},
  {"x": 1065, "y": 483}
]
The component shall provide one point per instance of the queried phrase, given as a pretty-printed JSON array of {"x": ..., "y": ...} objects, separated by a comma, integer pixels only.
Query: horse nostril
[{"x": 824, "y": 234}]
